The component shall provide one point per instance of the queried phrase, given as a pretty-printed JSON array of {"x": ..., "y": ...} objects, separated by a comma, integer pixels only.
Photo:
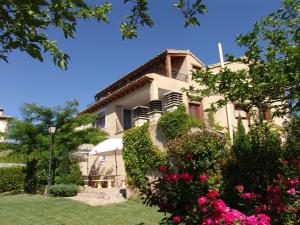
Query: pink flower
[
  {"x": 291, "y": 191},
  {"x": 220, "y": 206},
  {"x": 248, "y": 195},
  {"x": 293, "y": 182},
  {"x": 176, "y": 219},
  {"x": 202, "y": 200},
  {"x": 263, "y": 219},
  {"x": 272, "y": 189},
  {"x": 250, "y": 220},
  {"x": 212, "y": 193},
  {"x": 233, "y": 215},
  {"x": 203, "y": 177},
  {"x": 186, "y": 177},
  {"x": 203, "y": 210},
  {"x": 283, "y": 162},
  {"x": 239, "y": 188},
  {"x": 162, "y": 169}
]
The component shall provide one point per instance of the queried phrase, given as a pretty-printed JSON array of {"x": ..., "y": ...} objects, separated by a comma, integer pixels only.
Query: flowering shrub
[
  {"x": 188, "y": 200},
  {"x": 280, "y": 200}
]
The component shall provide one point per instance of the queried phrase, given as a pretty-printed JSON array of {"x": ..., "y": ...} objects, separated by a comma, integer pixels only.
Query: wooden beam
[{"x": 168, "y": 66}]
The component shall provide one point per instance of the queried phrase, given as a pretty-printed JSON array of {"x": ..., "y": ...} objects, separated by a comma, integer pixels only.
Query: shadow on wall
[{"x": 98, "y": 169}]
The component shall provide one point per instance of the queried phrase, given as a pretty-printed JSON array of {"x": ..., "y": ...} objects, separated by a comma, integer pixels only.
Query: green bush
[
  {"x": 63, "y": 190},
  {"x": 11, "y": 178},
  {"x": 254, "y": 161},
  {"x": 74, "y": 176},
  {"x": 140, "y": 155},
  {"x": 177, "y": 123},
  {"x": 200, "y": 152}
]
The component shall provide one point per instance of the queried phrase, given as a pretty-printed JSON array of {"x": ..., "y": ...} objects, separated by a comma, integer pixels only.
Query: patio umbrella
[{"x": 109, "y": 145}]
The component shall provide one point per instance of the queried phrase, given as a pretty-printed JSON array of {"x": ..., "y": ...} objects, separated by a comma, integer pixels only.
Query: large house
[
  {"x": 156, "y": 86},
  {"x": 143, "y": 94}
]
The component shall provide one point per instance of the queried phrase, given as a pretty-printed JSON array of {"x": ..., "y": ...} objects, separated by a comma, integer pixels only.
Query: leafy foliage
[
  {"x": 11, "y": 178},
  {"x": 72, "y": 176},
  {"x": 140, "y": 156},
  {"x": 63, "y": 190},
  {"x": 24, "y": 25},
  {"x": 31, "y": 133},
  {"x": 254, "y": 160},
  {"x": 272, "y": 55},
  {"x": 292, "y": 147},
  {"x": 174, "y": 124}
]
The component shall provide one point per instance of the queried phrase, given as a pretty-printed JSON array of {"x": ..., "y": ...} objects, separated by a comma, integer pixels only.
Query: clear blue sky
[{"x": 99, "y": 56}]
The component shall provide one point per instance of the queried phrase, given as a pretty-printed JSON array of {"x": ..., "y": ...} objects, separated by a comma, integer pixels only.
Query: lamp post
[{"x": 51, "y": 131}]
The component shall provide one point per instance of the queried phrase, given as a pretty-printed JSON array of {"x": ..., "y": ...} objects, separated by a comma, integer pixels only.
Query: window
[
  {"x": 100, "y": 122},
  {"x": 103, "y": 158},
  {"x": 126, "y": 119},
  {"x": 196, "y": 110},
  {"x": 239, "y": 111}
]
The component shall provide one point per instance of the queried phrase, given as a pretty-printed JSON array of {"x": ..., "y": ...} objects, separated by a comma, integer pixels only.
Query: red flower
[
  {"x": 212, "y": 193},
  {"x": 296, "y": 161},
  {"x": 176, "y": 219},
  {"x": 203, "y": 210},
  {"x": 202, "y": 200},
  {"x": 248, "y": 195},
  {"x": 220, "y": 206},
  {"x": 171, "y": 177},
  {"x": 203, "y": 177},
  {"x": 189, "y": 155},
  {"x": 291, "y": 191},
  {"x": 186, "y": 177},
  {"x": 162, "y": 169},
  {"x": 239, "y": 188}
]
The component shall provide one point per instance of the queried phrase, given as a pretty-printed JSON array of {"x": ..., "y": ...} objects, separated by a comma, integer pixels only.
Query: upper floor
[{"x": 157, "y": 86}]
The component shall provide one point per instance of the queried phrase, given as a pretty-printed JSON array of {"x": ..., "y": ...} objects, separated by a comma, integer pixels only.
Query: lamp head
[{"x": 52, "y": 129}]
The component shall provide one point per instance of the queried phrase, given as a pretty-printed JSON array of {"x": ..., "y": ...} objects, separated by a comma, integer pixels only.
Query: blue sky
[{"x": 99, "y": 56}]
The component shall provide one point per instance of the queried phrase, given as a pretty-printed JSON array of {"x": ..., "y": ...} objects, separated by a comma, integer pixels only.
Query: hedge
[
  {"x": 63, "y": 190},
  {"x": 11, "y": 178}
]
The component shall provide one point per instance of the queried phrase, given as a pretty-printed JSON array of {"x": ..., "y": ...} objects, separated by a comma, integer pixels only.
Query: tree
[
  {"x": 31, "y": 134},
  {"x": 273, "y": 56},
  {"x": 24, "y": 24}
]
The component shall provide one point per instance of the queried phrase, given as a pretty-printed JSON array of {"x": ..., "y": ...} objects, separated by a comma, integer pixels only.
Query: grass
[{"x": 23, "y": 209}]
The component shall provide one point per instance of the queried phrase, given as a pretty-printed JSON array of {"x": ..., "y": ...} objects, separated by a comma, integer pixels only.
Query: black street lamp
[{"x": 51, "y": 131}]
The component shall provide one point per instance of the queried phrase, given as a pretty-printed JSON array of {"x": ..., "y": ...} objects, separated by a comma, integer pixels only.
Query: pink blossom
[
  {"x": 239, "y": 188},
  {"x": 283, "y": 162},
  {"x": 186, "y": 177},
  {"x": 203, "y": 210},
  {"x": 203, "y": 177},
  {"x": 250, "y": 220},
  {"x": 212, "y": 193},
  {"x": 176, "y": 219},
  {"x": 263, "y": 219},
  {"x": 202, "y": 200},
  {"x": 291, "y": 191},
  {"x": 272, "y": 189},
  {"x": 248, "y": 195},
  {"x": 220, "y": 206},
  {"x": 210, "y": 221}
]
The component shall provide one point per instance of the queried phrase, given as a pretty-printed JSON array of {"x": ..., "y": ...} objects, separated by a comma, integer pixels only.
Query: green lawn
[{"x": 22, "y": 209}]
